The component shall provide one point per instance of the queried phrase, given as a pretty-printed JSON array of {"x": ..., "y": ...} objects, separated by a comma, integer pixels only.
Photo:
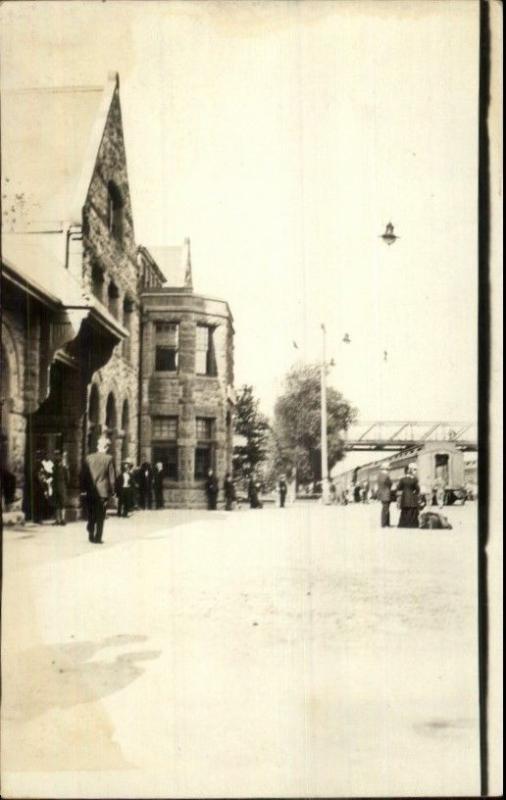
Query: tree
[
  {"x": 297, "y": 424},
  {"x": 254, "y": 427}
]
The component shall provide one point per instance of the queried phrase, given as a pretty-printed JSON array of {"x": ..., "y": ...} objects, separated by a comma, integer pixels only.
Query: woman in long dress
[{"x": 408, "y": 497}]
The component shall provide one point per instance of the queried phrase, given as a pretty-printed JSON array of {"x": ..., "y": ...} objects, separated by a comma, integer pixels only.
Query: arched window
[
  {"x": 97, "y": 280},
  {"x": 111, "y": 419},
  {"x": 113, "y": 299},
  {"x": 114, "y": 211},
  {"x": 128, "y": 309}
]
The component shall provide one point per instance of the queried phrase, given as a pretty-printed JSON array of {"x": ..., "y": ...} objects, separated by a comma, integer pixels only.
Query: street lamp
[
  {"x": 389, "y": 236},
  {"x": 323, "y": 420}
]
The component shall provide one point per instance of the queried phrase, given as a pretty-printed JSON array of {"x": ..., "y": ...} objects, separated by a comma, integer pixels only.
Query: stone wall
[
  {"x": 115, "y": 260},
  {"x": 14, "y": 378},
  {"x": 105, "y": 260},
  {"x": 185, "y": 394},
  {"x": 30, "y": 410}
]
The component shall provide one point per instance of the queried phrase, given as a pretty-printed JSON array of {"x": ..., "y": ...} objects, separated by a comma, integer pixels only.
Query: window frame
[
  {"x": 211, "y": 368},
  {"x": 98, "y": 282},
  {"x": 158, "y": 435},
  {"x": 160, "y": 345},
  {"x": 160, "y": 443},
  {"x": 209, "y": 450},
  {"x": 164, "y": 446},
  {"x": 127, "y": 320},
  {"x": 207, "y": 444},
  {"x": 115, "y": 212}
]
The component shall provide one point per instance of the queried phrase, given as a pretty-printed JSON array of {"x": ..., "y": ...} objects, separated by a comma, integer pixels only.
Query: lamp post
[
  {"x": 323, "y": 418},
  {"x": 324, "y": 450}
]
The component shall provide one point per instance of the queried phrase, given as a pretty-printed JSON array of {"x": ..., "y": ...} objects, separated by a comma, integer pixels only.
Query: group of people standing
[
  {"x": 253, "y": 491},
  {"x": 50, "y": 484},
  {"x": 229, "y": 492},
  {"x": 407, "y": 493},
  {"x": 409, "y": 496},
  {"x": 140, "y": 487}
]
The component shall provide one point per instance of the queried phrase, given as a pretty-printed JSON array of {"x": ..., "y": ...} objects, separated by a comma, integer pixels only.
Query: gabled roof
[
  {"x": 50, "y": 142},
  {"x": 174, "y": 263}
]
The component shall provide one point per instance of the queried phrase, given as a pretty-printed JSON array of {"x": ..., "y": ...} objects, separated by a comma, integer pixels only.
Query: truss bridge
[{"x": 395, "y": 435}]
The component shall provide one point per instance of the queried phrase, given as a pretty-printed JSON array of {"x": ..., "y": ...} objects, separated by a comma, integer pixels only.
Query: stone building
[
  {"x": 70, "y": 323},
  {"x": 186, "y": 408},
  {"x": 73, "y": 281},
  {"x": 111, "y": 275}
]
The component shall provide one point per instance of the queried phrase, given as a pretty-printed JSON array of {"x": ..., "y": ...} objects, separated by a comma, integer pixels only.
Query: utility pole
[{"x": 325, "y": 460}]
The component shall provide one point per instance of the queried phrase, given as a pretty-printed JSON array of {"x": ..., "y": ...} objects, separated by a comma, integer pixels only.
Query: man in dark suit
[
  {"x": 124, "y": 490},
  {"x": 212, "y": 490},
  {"x": 145, "y": 482},
  {"x": 282, "y": 489},
  {"x": 99, "y": 478},
  {"x": 229, "y": 492},
  {"x": 385, "y": 495},
  {"x": 158, "y": 476}
]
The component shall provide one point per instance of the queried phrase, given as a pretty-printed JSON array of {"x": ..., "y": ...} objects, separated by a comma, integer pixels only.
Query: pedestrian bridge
[{"x": 396, "y": 435}]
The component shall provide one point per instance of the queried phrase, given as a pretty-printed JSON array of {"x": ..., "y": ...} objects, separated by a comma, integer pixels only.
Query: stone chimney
[{"x": 188, "y": 281}]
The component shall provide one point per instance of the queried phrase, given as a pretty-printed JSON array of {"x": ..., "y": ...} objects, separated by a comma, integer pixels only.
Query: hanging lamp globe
[{"x": 389, "y": 236}]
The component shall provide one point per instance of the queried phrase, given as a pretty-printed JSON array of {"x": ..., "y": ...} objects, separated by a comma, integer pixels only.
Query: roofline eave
[{"x": 96, "y": 311}]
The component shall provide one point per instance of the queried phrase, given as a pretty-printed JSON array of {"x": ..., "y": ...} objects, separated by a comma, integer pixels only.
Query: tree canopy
[
  {"x": 254, "y": 427},
  {"x": 297, "y": 424}
]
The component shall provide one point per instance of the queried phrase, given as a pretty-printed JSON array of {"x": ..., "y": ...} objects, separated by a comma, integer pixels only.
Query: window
[
  {"x": 113, "y": 299},
  {"x": 128, "y": 309},
  {"x": 204, "y": 428},
  {"x": 442, "y": 465},
  {"x": 167, "y": 455},
  {"x": 166, "y": 359},
  {"x": 205, "y": 361},
  {"x": 164, "y": 427},
  {"x": 204, "y": 451},
  {"x": 167, "y": 345},
  {"x": 97, "y": 282},
  {"x": 164, "y": 445},
  {"x": 114, "y": 211},
  {"x": 202, "y": 462}
]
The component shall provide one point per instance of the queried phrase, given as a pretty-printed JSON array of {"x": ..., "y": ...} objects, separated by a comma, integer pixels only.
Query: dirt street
[{"x": 296, "y": 652}]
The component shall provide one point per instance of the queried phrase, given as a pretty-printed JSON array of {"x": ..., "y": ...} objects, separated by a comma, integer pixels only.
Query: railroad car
[{"x": 433, "y": 460}]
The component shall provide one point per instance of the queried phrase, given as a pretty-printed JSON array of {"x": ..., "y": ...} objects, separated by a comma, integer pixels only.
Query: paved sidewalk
[{"x": 291, "y": 652}]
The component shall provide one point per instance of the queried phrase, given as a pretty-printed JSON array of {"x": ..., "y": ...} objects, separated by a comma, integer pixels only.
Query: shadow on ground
[{"x": 68, "y": 674}]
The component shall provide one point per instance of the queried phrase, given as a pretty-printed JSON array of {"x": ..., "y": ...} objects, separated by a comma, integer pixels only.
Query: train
[{"x": 433, "y": 460}]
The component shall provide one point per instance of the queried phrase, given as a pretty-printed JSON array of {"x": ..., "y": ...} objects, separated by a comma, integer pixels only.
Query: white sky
[{"x": 282, "y": 137}]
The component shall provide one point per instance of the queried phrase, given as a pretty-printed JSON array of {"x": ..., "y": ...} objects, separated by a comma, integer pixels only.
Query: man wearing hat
[
  {"x": 98, "y": 480},
  {"x": 385, "y": 494}
]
